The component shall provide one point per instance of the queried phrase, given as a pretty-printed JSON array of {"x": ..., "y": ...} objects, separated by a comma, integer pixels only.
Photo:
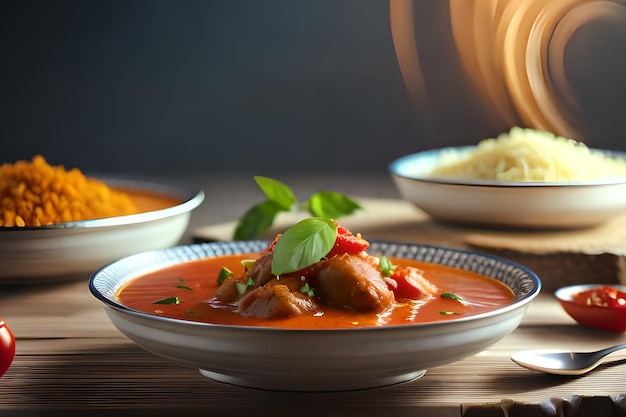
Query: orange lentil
[{"x": 37, "y": 194}]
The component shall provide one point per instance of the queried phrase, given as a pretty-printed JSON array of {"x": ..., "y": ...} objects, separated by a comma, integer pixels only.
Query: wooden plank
[{"x": 74, "y": 358}]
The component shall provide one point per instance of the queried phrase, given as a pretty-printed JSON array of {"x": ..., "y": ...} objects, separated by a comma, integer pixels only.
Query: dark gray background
[{"x": 259, "y": 86}]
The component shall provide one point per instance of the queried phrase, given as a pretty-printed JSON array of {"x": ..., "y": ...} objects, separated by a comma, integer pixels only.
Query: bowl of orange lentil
[{"x": 58, "y": 224}]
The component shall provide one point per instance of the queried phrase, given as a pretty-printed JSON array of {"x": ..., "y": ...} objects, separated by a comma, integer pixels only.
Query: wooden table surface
[{"x": 72, "y": 361}]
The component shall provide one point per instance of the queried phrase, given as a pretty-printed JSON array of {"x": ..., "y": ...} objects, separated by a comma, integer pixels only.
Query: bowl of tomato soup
[
  {"x": 593, "y": 305},
  {"x": 165, "y": 301}
]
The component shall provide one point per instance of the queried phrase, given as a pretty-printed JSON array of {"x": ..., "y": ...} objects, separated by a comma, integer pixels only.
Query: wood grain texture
[{"x": 69, "y": 356}]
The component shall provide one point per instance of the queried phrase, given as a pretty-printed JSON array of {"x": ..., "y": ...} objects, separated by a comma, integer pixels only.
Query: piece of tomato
[
  {"x": 271, "y": 246},
  {"x": 7, "y": 347},
  {"x": 348, "y": 243},
  {"x": 409, "y": 283}
]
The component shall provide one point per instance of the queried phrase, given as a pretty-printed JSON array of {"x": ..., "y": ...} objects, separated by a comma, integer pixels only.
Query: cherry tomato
[
  {"x": 7, "y": 347},
  {"x": 347, "y": 243}
]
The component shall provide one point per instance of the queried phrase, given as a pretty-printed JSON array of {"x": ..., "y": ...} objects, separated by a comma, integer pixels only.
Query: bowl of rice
[
  {"x": 58, "y": 224},
  {"x": 523, "y": 178}
]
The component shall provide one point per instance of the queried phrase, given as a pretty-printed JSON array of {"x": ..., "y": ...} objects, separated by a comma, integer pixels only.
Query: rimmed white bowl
[
  {"x": 314, "y": 360},
  {"x": 573, "y": 204},
  {"x": 76, "y": 249}
]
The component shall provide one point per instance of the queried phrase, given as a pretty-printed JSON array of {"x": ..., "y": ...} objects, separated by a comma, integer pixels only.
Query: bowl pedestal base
[{"x": 313, "y": 384}]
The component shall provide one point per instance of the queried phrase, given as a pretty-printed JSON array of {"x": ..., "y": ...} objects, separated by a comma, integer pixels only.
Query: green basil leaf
[
  {"x": 303, "y": 244},
  {"x": 277, "y": 192},
  {"x": 331, "y": 204},
  {"x": 257, "y": 220}
]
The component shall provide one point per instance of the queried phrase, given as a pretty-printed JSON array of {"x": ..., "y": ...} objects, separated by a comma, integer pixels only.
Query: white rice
[{"x": 529, "y": 155}]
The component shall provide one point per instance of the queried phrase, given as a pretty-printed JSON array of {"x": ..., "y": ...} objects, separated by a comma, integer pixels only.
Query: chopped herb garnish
[
  {"x": 386, "y": 267},
  {"x": 447, "y": 313},
  {"x": 247, "y": 263},
  {"x": 280, "y": 198},
  {"x": 224, "y": 273},
  {"x": 184, "y": 287},
  {"x": 168, "y": 300},
  {"x": 243, "y": 287},
  {"x": 306, "y": 290},
  {"x": 453, "y": 296}
]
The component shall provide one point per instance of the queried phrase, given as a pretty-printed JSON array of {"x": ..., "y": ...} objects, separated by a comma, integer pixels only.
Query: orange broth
[
  {"x": 148, "y": 201},
  {"x": 195, "y": 284}
]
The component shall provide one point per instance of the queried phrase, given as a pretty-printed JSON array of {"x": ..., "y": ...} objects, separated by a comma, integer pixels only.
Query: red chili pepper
[
  {"x": 7, "y": 347},
  {"x": 601, "y": 296},
  {"x": 347, "y": 243}
]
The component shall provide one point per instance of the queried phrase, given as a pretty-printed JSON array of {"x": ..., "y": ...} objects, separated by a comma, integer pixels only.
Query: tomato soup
[{"x": 187, "y": 290}]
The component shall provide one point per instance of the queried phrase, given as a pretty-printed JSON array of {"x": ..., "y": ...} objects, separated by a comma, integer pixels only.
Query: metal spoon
[{"x": 562, "y": 363}]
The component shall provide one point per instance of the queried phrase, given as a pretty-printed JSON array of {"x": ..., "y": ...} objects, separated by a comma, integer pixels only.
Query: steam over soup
[{"x": 344, "y": 287}]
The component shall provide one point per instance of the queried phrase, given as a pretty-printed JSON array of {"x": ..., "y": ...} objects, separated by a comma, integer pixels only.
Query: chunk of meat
[
  {"x": 351, "y": 281},
  {"x": 228, "y": 292},
  {"x": 281, "y": 297},
  {"x": 261, "y": 270}
]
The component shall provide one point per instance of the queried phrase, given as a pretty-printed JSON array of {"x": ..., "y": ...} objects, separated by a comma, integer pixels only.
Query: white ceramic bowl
[
  {"x": 76, "y": 249},
  {"x": 510, "y": 204},
  {"x": 314, "y": 360}
]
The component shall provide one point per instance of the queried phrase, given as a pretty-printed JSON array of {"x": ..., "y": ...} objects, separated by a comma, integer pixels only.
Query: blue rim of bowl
[
  {"x": 535, "y": 286},
  {"x": 190, "y": 199},
  {"x": 400, "y": 167}
]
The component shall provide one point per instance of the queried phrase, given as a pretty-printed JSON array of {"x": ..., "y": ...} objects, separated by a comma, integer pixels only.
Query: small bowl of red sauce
[{"x": 595, "y": 305}]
